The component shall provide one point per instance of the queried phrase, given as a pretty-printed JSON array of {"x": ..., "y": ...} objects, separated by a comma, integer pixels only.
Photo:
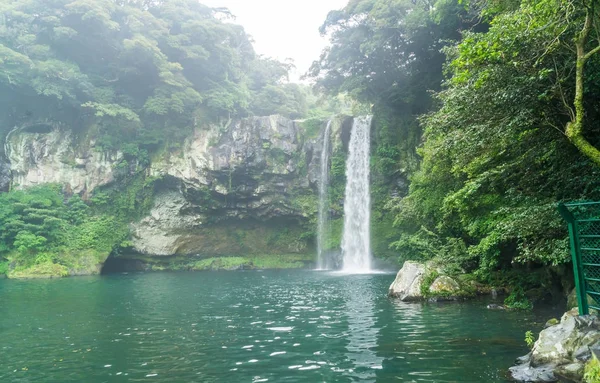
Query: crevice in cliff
[
  {"x": 346, "y": 130},
  {"x": 116, "y": 264},
  {"x": 38, "y": 128}
]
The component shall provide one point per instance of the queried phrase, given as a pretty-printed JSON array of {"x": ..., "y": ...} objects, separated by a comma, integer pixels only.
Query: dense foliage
[
  {"x": 132, "y": 71},
  {"x": 511, "y": 129},
  {"x": 46, "y": 233}
]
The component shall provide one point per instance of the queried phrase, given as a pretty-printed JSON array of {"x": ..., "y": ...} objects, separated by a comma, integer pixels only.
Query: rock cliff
[
  {"x": 226, "y": 180},
  {"x": 46, "y": 153}
]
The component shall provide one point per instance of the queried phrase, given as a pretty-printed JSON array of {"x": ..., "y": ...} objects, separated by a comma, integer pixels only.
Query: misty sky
[{"x": 283, "y": 28}]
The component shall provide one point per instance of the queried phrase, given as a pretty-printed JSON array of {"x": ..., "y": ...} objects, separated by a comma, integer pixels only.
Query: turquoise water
[{"x": 275, "y": 326}]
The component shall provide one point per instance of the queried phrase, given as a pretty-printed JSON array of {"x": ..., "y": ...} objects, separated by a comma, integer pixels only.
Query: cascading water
[
  {"x": 356, "y": 240},
  {"x": 322, "y": 259}
]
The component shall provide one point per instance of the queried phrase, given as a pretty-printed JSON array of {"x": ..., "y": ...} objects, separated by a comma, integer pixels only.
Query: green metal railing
[{"x": 583, "y": 219}]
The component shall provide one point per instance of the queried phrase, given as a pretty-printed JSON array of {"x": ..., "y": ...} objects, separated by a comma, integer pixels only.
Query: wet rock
[
  {"x": 560, "y": 350},
  {"x": 160, "y": 233},
  {"x": 494, "y": 293},
  {"x": 556, "y": 344},
  {"x": 407, "y": 285},
  {"x": 257, "y": 169},
  {"x": 494, "y": 306},
  {"x": 527, "y": 373},
  {"x": 571, "y": 372}
]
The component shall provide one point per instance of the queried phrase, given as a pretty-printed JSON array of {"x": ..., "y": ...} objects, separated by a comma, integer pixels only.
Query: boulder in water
[
  {"x": 417, "y": 281},
  {"x": 407, "y": 285}
]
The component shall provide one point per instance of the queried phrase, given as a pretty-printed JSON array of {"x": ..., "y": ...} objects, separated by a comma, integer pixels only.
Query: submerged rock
[
  {"x": 561, "y": 350},
  {"x": 407, "y": 285}
]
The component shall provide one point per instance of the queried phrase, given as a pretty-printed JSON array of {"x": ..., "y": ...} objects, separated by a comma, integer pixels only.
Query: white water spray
[
  {"x": 322, "y": 260},
  {"x": 356, "y": 240}
]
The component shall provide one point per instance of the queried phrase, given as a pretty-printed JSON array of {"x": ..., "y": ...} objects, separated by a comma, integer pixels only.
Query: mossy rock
[
  {"x": 444, "y": 285},
  {"x": 228, "y": 263},
  {"x": 40, "y": 271},
  {"x": 222, "y": 263}
]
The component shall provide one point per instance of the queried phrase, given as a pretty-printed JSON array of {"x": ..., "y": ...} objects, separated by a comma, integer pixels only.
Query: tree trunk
[{"x": 574, "y": 129}]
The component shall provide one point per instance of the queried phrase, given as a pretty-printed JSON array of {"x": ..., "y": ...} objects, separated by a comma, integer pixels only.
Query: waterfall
[
  {"x": 356, "y": 241},
  {"x": 322, "y": 260}
]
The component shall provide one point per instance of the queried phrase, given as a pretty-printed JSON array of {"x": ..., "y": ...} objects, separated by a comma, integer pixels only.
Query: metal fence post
[{"x": 576, "y": 258}]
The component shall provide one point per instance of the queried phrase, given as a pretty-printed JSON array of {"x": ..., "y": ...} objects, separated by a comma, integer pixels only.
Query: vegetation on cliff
[{"x": 45, "y": 233}]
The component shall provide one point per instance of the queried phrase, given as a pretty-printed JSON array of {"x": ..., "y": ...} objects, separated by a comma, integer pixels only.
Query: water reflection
[
  {"x": 279, "y": 326},
  {"x": 362, "y": 328}
]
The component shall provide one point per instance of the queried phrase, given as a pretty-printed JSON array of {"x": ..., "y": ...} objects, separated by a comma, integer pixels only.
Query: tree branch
[
  {"x": 562, "y": 94},
  {"x": 574, "y": 129},
  {"x": 591, "y": 53}
]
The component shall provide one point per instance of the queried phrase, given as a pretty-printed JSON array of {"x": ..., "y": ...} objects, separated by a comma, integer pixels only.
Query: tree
[
  {"x": 388, "y": 51},
  {"x": 575, "y": 128},
  {"x": 138, "y": 72},
  {"x": 495, "y": 157}
]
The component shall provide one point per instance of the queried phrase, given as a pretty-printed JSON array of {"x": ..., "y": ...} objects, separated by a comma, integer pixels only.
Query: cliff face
[
  {"x": 258, "y": 170},
  {"x": 255, "y": 177},
  {"x": 45, "y": 153}
]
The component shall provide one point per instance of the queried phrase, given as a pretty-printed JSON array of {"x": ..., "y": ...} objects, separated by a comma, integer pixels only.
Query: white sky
[{"x": 283, "y": 28}]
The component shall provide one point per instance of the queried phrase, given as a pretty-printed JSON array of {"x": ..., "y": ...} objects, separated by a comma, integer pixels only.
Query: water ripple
[{"x": 292, "y": 326}]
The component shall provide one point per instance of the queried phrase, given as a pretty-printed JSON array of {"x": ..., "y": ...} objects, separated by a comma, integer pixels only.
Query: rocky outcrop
[
  {"x": 48, "y": 155},
  {"x": 159, "y": 233},
  {"x": 561, "y": 350},
  {"x": 419, "y": 281},
  {"x": 407, "y": 285},
  {"x": 259, "y": 169},
  {"x": 253, "y": 167}
]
